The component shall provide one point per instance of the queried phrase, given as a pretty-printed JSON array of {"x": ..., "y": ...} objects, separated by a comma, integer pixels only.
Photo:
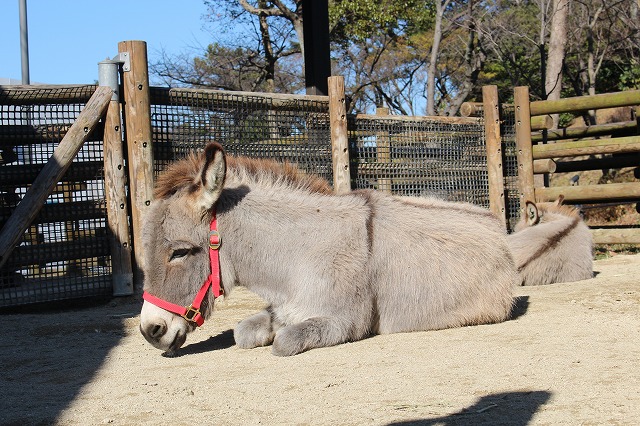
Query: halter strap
[{"x": 192, "y": 312}]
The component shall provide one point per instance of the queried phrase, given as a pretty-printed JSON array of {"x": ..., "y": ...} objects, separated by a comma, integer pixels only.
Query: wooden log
[
  {"x": 584, "y": 103},
  {"x": 616, "y": 235},
  {"x": 231, "y": 99},
  {"x": 51, "y": 173},
  {"x": 544, "y": 166},
  {"x": 115, "y": 178},
  {"x": 137, "y": 116},
  {"x": 40, "y": 254},
  {"x": 588, "y": 131},
  {"x": 7, "y": 155},
  {"x": 614, "y": 162},
  {"x": 588, "y": 147},
  {"x": 472, "y": 109},
  {"x": 493, "y": 140},
  {"x": 23, "y": 174},
  {"x": 612, "y": 192},
  {"x": 60, "y": 212},
  {"x": 523, "y": 146},
  {"x": 541, "y": 122},
  {"x": 414, "y": 119},
  {"x": 475, "y": 109},
  {"x": 339, "y": 140},
  {"x": 43, "y": 94},
  {"x": 23, "y": 134}
]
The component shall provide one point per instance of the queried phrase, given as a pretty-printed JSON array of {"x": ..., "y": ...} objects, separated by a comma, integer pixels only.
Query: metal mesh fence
[
  {"x": 420, "y": 156},
  {"x": 64, "y": 254},
  {"x": 510, "y": 164},
  {"x": 292, "y": 129}
]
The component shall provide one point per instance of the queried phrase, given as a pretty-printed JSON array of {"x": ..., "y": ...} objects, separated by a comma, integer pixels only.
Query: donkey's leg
[
  {"x": 312, "y": 333},
  {"x": 257, "y": 330}
]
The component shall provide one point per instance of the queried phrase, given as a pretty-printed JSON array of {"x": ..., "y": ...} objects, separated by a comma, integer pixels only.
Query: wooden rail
[
  {"x": 44, "y": 94},
  {"x": 624, "y": 145},
  {"x": 620, "y": 150},
  {"x": 622, "y": 128},
  {"x": 584, "y": 103}
]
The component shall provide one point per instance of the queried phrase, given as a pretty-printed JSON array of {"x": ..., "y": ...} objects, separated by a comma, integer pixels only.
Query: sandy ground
[{"x": 571, "y": 355}]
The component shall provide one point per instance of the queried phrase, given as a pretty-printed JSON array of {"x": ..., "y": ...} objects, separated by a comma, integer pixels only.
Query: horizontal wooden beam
[
  {"x": 541, "y": 122},
  {"x": 229, "y": 99},
  {"x": 419, "y": 118},
  {"x": 23, "y": 174},
  {"x": 23, "y": 134},
  {"x": 471, "y": 109},
  {"x": 614, "y": 162},
  {"x": 587, "y": 147},
  {"x": 588, "y": 131},
  {"x": 69, "y": 211},
  {"x": 544, "y": 166},
  {"x": 43, "y": 94},
  {"x": 616, "y": 235},
  {"x": 611, "y": 192},
  {"x": 40, "y": 254},
  {"x": 583, "y": 103}
]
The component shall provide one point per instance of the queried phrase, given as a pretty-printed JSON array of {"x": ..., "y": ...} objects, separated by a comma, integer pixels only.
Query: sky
[{"x": 67, "y": 38}]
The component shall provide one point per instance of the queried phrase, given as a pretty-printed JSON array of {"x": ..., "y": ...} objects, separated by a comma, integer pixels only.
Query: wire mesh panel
[
  {"x": 64, "y": 254},
  {"x": 420, "y": 156},
  {"x": 510, "y": 164},
  {"x": 293, "y": 129}
]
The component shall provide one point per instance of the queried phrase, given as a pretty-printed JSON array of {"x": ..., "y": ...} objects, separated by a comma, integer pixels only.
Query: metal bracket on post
[{"x": 124, "y": 59}]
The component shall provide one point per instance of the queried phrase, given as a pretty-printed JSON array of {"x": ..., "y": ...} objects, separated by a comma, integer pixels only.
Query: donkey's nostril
[{"x": 157, "y": 330}]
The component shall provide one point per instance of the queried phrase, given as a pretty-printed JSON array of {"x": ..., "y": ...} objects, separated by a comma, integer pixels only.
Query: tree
[{"x": 555, "y": 57}]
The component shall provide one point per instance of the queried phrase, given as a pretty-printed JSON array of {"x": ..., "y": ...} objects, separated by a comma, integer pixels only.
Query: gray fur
[
  {"x": 333, "y": 268},
  {"x": 552, "y": 244}
]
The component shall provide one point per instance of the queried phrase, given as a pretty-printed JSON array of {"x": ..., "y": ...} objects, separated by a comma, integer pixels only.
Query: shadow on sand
[
  {"x": 510, "y": 408},
  {"x": 59, "y": 349}
]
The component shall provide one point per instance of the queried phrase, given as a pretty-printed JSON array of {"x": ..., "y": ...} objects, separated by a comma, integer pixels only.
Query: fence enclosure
[{"x": 85, "y": 240}]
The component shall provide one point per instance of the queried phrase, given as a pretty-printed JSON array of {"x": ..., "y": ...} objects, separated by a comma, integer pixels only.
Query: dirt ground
[{"x": 570, "y": 355}]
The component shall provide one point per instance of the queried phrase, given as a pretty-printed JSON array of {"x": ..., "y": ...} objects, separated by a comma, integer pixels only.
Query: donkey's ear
[
  {"x": 213, "y": 174},
  {"x": 533, "y": 217},
  {"x": 560, "y": 200}
]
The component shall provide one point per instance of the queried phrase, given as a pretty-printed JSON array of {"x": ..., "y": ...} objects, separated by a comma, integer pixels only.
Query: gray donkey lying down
[
  {"x": 333, "y": 268},
  {"x": 552, "y": 244}
]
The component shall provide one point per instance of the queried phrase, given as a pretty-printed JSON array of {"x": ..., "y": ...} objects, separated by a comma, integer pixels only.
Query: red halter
[{"x": 192, "y": 312}]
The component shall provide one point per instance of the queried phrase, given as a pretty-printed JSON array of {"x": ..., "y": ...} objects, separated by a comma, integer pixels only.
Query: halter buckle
[
  {"x": 191, "y": 313},
  {"x": 214, "y": 240}
]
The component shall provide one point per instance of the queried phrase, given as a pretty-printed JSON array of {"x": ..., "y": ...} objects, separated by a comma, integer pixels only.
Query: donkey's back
[
  {"x": 552, "y": 244},
  {"x": 436, "y": 264}
]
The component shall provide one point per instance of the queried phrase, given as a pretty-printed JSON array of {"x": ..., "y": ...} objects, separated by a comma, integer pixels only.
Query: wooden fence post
[
  {"x": 523, "y": 145},
  {"x": 115, "y": 181},
  {"x": 339, "y": 138},
  {"x": 493, "y": 142},
  {"x": 383, "y": 153},
  {"x": 137, "y": 115}
]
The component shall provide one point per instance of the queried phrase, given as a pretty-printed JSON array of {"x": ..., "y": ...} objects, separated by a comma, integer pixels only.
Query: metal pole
[{"x": 24, "y": 41}]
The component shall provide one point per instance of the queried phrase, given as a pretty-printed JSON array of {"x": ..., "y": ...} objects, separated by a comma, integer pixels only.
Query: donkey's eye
[{"x": 179, "y": 254}]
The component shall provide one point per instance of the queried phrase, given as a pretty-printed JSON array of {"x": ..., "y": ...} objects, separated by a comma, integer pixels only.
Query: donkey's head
[
  {"x": 536, "y": 213},
  {"x": 176, "y": 245}
]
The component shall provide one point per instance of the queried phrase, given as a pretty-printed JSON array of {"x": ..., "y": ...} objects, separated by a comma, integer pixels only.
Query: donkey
[
  {"x": 552, "y": 244},
  {"x": 332, "y": 268}
]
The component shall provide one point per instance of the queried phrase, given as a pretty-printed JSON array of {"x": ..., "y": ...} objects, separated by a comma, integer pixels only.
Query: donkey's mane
[
  {"x": 186, "y": 174},
  {"x": 563, "y": 209}
]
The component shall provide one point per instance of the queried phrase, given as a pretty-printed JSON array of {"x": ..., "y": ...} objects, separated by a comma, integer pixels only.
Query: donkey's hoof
[
  {"x": 247, "y": 335},
  {"x": 287, "y": 342}
]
